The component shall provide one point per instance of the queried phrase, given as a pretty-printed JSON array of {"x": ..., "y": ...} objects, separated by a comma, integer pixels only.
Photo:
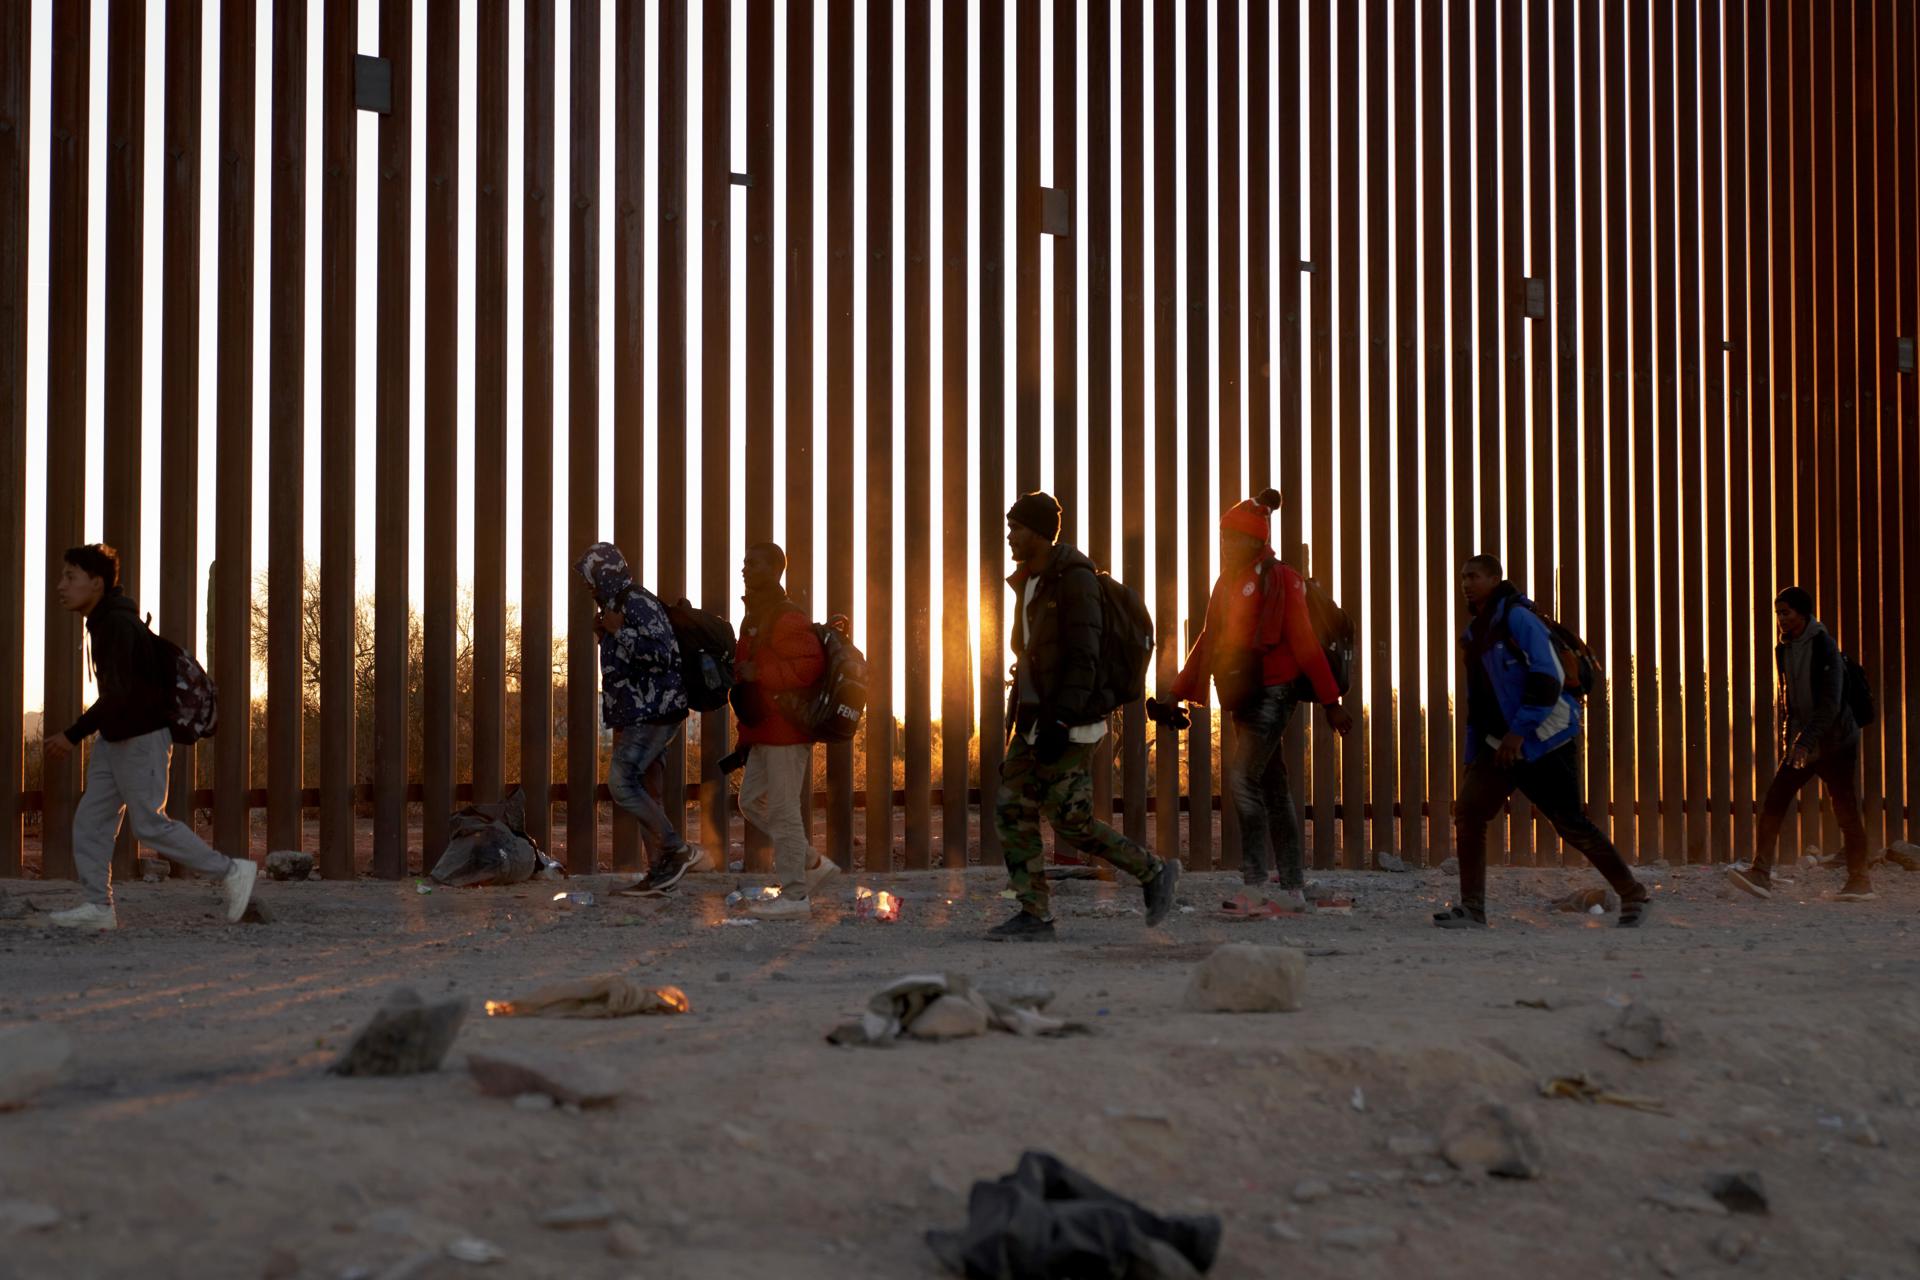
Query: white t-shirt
[{"x": 1079, "y": 734}]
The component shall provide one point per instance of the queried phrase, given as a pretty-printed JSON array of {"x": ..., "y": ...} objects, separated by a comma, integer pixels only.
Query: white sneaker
[
  {"x": 781, "y": 908},
  {"x": 819, "y": 873},
  {"x": 90, "y": 917},
  {"x": 237, "y": 888}
]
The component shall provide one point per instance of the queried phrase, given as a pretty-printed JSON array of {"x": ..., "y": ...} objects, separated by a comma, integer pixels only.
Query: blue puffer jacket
[
  {"x": 1530, "y": 684},
  {"x": 640, "y": 665}
]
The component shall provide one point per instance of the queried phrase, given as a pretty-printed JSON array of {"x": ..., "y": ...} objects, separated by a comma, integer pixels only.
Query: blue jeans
[
  {"x": 636, "y": 755},
  {"x": 1256, "y": 778}
]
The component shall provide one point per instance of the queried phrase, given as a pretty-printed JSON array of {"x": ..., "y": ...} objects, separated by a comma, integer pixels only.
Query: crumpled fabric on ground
[
  {"x": 489, "y": 844},
  {"x": 607, "y": 996},
  {"x": 1048, "y": 1220},
  {"x": 892, "y": 1011}
]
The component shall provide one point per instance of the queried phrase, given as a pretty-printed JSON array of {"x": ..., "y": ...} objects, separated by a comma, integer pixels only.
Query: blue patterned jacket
[{"x": 640, "y": 664}]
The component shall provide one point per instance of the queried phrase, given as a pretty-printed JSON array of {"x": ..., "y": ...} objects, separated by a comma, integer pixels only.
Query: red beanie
[{"x": 1253, "y": 516}]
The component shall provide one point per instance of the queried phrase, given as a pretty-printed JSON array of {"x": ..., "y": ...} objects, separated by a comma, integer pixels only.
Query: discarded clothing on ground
[
  {"x": 489, "y": 844},
  {"x": 895, "y": 1009},
  {"x": 608, "y": 996},
  {"x": 1046, "y": 1219}
]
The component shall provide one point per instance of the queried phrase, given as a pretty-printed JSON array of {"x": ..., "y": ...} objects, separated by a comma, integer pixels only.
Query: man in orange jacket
[
  {"x": 777, "y": 653},
  {"x": 1259, "y": 647}
]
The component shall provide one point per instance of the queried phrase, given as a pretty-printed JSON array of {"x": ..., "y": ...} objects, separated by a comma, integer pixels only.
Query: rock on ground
[
  {"x": 1241, "y": 977},
  {"x": 287, "y": 864},
  {"x": 32, "y": 1056},
  {"x": 503, "y": 1073},
  {"x": 949, "y": 1018},
  {"x": 1640, "y": 1033},
  {"x": 1493, "y": 1138},
  {"x": 405, "y": 1037}
]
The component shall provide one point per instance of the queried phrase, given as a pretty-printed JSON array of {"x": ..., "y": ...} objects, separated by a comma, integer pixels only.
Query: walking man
[
  {"x": 778, "y": 653},
  {"x": 644, "y": 701},
  {"x": 1259, "y": 647},
  {"x": 1819, "y": 738},
  {"x": 127, "y": 770},
  {"x": 1521, "y": 729},
  {"x": 1056, "y": 711}
]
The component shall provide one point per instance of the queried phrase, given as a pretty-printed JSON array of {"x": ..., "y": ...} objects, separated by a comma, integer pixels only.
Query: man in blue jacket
[{"x": 1521, "y": 727}]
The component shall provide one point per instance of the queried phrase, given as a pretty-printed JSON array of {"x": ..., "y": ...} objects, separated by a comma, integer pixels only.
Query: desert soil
[{"x": 197, "y": 1133}]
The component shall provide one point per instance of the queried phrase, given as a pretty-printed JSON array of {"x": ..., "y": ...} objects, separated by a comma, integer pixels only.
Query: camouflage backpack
[{"x": 193, "y": 701}]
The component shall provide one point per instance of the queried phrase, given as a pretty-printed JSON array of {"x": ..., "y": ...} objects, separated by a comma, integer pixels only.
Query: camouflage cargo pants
[{"x": 1063, "y": 791}]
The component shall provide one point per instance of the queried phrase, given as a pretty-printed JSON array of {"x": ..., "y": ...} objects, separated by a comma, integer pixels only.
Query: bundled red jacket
[
  {"x": 786, "y": 656},
  {"x": 1244, "y": 619}
]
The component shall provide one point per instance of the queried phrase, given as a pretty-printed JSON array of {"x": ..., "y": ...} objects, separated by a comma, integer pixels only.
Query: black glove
[
  {"x": 736, "y": 761},
  {"x": 1051, "y": 742},
  {"x": 1172, "y": 715}
]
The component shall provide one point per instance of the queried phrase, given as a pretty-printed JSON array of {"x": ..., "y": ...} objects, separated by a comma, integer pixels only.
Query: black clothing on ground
[
  {"x": 1553, "y": 784},
  {"x": 1838, "y": 768},
  {"x": 133, "y": 695}
]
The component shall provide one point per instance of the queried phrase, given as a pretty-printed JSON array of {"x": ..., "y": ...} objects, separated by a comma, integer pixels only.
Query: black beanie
[{"x": 1038, "y": 512}]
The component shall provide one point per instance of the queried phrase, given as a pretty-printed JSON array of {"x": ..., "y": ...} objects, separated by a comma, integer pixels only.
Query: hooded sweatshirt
[
  {"x": 1515, "y": 683},
  {"x": 640, "y": 664},
  {"x": 1811, "y": 704},
  {"x": 1257, "y": 619},
  {"x": 133, "y": 695}
]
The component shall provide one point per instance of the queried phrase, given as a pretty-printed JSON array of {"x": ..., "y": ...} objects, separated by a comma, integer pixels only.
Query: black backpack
[
  {"x": 1580, "y": 670},
  {"x": 706, "y": 654},
  {"x": 1338, "y": 638},
  {"x": 1858, "y": 694},
  {"x": 1126, "y": 643},
  {"x": 830, "y": 710}
]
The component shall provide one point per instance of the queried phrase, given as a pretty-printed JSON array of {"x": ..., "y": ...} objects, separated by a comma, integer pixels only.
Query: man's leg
[
  {"x": 753, "y": 790},
  {"x": 786, "y": 773},
  {"x": 1067, "y": 799},
  {"x": 140, "y": 768},
  {"x": 1283, "y": 820},
  {"x": 1016, "y": 815},
  {"x": 1840, "y": 771},
  {"x": 636, "y": 753},
  {"x": 1553, "y": 784},
  {"x": 1786, "y": 784},
  {"x": 1245, "y": 773},
  {"x": 1484, "y": 787},
  {"x": 95, "y": 824}
]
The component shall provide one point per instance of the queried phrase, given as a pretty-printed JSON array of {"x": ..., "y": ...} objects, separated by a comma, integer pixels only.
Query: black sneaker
[
  {"x": 1460, "y": 918},
  {"x": 660, "y": 879},
  {"x": 1633, "y": 912},
  {"x": 1024, "y": 927},
  {"x": 1754, "y": 880},
  {"x": 1159, "y": 891}
]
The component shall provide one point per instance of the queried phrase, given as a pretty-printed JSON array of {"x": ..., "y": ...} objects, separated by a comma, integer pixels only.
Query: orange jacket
[
  {"x": 1242, "y": 618},
  {"x": 786, "y": 656}
]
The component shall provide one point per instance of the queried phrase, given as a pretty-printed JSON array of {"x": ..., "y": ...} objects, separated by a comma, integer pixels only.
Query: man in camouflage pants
[{"x": 1058, "y": 721}]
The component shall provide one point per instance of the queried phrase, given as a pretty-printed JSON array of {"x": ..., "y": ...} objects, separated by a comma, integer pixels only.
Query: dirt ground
[{"x": 198, "y": 1135}]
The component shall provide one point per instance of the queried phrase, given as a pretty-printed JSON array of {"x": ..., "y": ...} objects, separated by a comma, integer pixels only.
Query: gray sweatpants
[{"x": 132, "y": 775}]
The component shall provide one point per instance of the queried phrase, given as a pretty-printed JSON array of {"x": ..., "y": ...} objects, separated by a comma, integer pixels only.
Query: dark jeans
[
  {"x": 1838, "y": 769},
  {"x": 1553, "y": 784},
  {"x": 1256, "y": 777},
  {"x": 634, "y": 777}
]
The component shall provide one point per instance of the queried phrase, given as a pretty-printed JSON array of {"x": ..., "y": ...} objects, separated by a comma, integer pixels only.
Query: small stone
[
  {"x": 508, "y": 1074},
  {"x": 1640, "y": 1033},
  {"x": 1242, "y": 977},
  {"x": 1741, "y": 1192},
  {"x": 153, "y": 870},
  {"x": 1286, "y": 1231},
  {"x": 949, "y": 1018},
  {"x": 533, "y": 1102},
  {"x": 1022, "y": 992},
  {"x": 1685, "y": 1200},
  {"x": 1360, "y": 1239},
  {"x": 1450, "y": 867},
  {"x": 1413, "y": 1146},
  {"x": 26, "y": 1215},
  {"x": 1731, "y": 1246},
  {"x": 1862, "y": 1133},
  {"x": 596, "y": 1212},
  {"x": 405, "y": 1037},
  {"x": 257, "y": 912},
  {"x": 475, "y": 1250},
  {"x": 1311, "y": 1190},
  {"x": 625, "y": 1242},
  {"x": 1494, "y": 1139},
  {"x": 289, "y": 864},
  {"x": 33, "y": 1055}
]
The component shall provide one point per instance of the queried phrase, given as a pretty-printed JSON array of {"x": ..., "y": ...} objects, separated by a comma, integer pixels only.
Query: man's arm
[
  {"x": 1545, "y": 681},
  {"x": 1829, "y": 676}
]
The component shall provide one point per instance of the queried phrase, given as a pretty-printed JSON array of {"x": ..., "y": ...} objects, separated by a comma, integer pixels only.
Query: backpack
[
  {"x": 1339, "y": 639},
  {"x": 1580, "y": 670},
  {"x": 830, "y": 710},
  {"x": 1126, "y": 643},
  {"x": 706, "y": 654},
  {"x": 193, "y": 700},
  {"x": 1858, "y": 694}
]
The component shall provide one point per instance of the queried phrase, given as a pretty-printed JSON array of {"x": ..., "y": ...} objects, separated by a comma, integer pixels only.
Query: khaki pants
[
  {"x": 771, "y": 792},
  {"x": 132, "y": 775}
]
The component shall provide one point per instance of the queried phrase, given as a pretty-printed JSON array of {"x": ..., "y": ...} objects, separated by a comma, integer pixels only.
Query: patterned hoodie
[{"x": 640, "y": 664}]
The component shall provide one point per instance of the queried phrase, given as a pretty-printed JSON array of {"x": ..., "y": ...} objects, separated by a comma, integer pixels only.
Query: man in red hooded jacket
[
  {"x": 777, "y": 653},
  {"x": 1259, "y": 647}
]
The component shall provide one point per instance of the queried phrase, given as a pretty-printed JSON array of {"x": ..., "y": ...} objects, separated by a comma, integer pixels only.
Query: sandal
[{"x": 1460, "y": 918}]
